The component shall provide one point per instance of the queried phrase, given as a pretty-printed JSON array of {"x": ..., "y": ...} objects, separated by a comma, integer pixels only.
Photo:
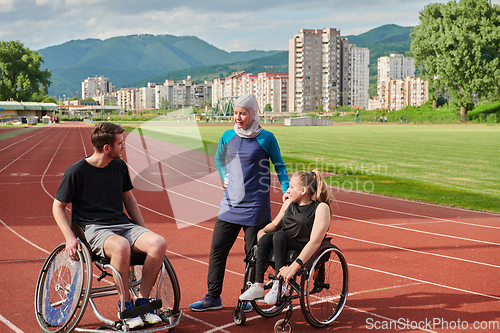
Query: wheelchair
[
  {"x": 64, "y": 289},
  {"x": 322, "y": 288}
]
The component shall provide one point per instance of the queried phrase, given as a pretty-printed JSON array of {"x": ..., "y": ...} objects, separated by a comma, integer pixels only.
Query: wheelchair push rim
[
  {"x": 325, "y": 288},
  {"x": 62, "y": 290}
]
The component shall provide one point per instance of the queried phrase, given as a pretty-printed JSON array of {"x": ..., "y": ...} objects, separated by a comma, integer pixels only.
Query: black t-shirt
[
  {"x": 298, "y": 221},
  {"x": 95, "y": 194}
]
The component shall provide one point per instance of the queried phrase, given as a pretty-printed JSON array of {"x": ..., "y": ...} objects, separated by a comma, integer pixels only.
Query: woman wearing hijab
[{"x": 242, "y": 161}]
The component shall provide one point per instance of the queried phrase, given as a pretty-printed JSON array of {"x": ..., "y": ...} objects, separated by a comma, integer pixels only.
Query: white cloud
[{"x": 227, "y": 24}]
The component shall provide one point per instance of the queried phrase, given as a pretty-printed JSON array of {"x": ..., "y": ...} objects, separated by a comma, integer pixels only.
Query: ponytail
[{"x": 316, "y": 185}]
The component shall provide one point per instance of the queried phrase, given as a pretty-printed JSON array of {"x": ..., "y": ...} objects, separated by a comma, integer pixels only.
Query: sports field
[
  {"x": 412, "y": 266},
  {"x": 448, "y": 165}
]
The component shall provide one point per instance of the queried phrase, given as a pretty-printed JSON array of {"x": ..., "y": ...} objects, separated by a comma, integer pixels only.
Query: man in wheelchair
[
  {"x": 98, "y": 187},
  {"x": 300, "y": 225}
]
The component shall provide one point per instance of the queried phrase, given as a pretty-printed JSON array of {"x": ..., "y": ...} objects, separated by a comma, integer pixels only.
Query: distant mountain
[
  {"x": 130, "y": 58},
  {"x": 381, "y": 41},
  {"x": 277, "y": 63},
  {"x": 133, "y": 61}
]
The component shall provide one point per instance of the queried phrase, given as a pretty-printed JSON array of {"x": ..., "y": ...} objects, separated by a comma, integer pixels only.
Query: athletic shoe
[
  {"x": 207, "y": 303},
  {"x": 150, "y": 317},
  {"x": 248, "y": 307},
  {"x": 134, "y": 322},
  {"x": 272, "y": 296},
  {"x": 253, "y": 292}
]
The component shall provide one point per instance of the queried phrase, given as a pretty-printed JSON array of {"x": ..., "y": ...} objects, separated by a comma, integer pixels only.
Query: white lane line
[
  {"x": 39, "y": 142},
  {"x": 425, "y": 282},
  {"x": 24, "y": 239},
  {"x": 10, "y": 325},
  {"x": 415, "y": 251},
  {"x": 420, "y": 216},
  {"x": 19, "y": 141},
  {"x": 417, "y": 231}
]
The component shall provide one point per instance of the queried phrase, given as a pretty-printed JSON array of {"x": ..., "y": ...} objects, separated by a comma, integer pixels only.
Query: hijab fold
[{"x": 249, "y": 103}]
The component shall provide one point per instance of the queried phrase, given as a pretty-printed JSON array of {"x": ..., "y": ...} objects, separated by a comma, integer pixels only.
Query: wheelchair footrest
[{"x": 140, "y": 310}]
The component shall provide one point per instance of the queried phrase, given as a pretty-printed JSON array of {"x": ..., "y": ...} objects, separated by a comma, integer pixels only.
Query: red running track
[{"x": 427, "y": 267}]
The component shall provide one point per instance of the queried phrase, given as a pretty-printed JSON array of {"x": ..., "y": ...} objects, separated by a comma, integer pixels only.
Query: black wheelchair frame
[
  {"x": 64, "y": 289},
  {"x": 322, "y": 289}
]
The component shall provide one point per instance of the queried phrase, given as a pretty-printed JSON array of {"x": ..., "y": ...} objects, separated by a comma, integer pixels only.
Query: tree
[
  {"x": 268, "y": 107},
  {"x": 20, "y": 73},
  {"x": 457, "y": 45}
]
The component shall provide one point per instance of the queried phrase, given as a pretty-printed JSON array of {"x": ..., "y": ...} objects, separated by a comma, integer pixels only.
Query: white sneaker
[
  {"x": 272, "y": 296},
  {"x": 134, "y": 322},
  {"x": 253, "y": 292},
  {"x": 151, "y": 318}
]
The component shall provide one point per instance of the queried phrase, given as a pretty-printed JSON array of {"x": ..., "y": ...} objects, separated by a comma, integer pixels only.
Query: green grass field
[{"x": 447, "y": 165}]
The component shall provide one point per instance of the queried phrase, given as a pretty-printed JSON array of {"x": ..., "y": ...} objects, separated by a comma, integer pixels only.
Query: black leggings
[
  {"x": 281, "y": 242},
  {"x": 223, "y": 238}
]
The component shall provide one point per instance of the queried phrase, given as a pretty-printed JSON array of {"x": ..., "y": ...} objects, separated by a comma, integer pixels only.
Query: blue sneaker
[
  {"x": 134, "y": 322},
  {"x": 248, "y": 307},
  {"x": 207, "y": 303},
  {"x": 150, "y": 317}
]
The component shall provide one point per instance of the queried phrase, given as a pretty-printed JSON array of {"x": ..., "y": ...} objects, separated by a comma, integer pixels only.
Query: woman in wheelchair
[{"x": 300, "y": 225}]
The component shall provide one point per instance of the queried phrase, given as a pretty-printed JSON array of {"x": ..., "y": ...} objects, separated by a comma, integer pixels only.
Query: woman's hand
[
  {"x": 260, "y": 234},
  {"x": 288, "y": 272}
]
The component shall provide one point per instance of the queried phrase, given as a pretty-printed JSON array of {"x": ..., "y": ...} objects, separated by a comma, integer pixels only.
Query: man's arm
[
  {"x": 133, "y": 208},
  {"x": 72, "y": 244}
]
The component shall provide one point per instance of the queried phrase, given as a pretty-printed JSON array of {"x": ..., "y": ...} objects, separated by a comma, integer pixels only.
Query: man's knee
[
  {"x": 153, "y": 242},
  {"x": 117, "y": 246}
]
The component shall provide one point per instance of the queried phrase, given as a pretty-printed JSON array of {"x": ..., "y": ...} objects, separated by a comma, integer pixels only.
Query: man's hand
[
  {"x": 226, "y": 181},
  {"x": 73, "y": 246}
]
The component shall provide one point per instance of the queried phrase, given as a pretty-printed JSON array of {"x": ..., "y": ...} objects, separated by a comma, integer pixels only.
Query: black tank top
[{"x": 298, "y": 221}]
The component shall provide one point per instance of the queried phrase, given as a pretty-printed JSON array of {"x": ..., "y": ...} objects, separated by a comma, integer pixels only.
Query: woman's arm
[
  {"x": 269, "y": 143},
  {"x": 319, "y": 229},
  {"x": 275, "y": 225}
]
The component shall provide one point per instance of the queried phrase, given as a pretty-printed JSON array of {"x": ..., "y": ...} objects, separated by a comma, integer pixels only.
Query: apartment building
[
  {"x": 96, "y": 85},
  {"x": 395, "y": 67},
  {"x": 416, "y": 91},
  {"x": 247, "y": 84},
  {"x": 231, "y": 84},
  {"x": 218, "y": 86},
  {"x": 106, "y": 98},
  {"x": 126, "y": 98},
  {"x": 164, "y": 93},
  {"x": 202, "y": 95},
  {"x": 398, "y": 94},
  {"x": 268, "y": 88},
  {"x": 145, "y": 97},
  {"x": 359, "y": 74},
  {"x": 322, "y": 69},
  {"x": 272, "y": 89}
]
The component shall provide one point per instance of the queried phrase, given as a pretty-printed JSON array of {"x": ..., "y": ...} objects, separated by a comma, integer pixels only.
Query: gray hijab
[{"x": 253, "y": 128}]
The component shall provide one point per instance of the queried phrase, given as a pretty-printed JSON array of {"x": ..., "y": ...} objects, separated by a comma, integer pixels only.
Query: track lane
[{"x": 361, "y": 284}]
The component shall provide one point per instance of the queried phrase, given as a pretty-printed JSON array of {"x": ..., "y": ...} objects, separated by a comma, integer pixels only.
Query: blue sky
[{"x": 228, "y": 24}]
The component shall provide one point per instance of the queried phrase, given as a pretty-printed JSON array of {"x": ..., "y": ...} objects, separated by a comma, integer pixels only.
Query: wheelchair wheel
[
  {"x": 166, "y": 287},
  {"x": 264, "y": 309},
  {"x": 324, "y": 288},
  {"x": 63, "y": 290},
  {"x": 282, "y": 326},
  {"x": 239, "y": 317}
]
